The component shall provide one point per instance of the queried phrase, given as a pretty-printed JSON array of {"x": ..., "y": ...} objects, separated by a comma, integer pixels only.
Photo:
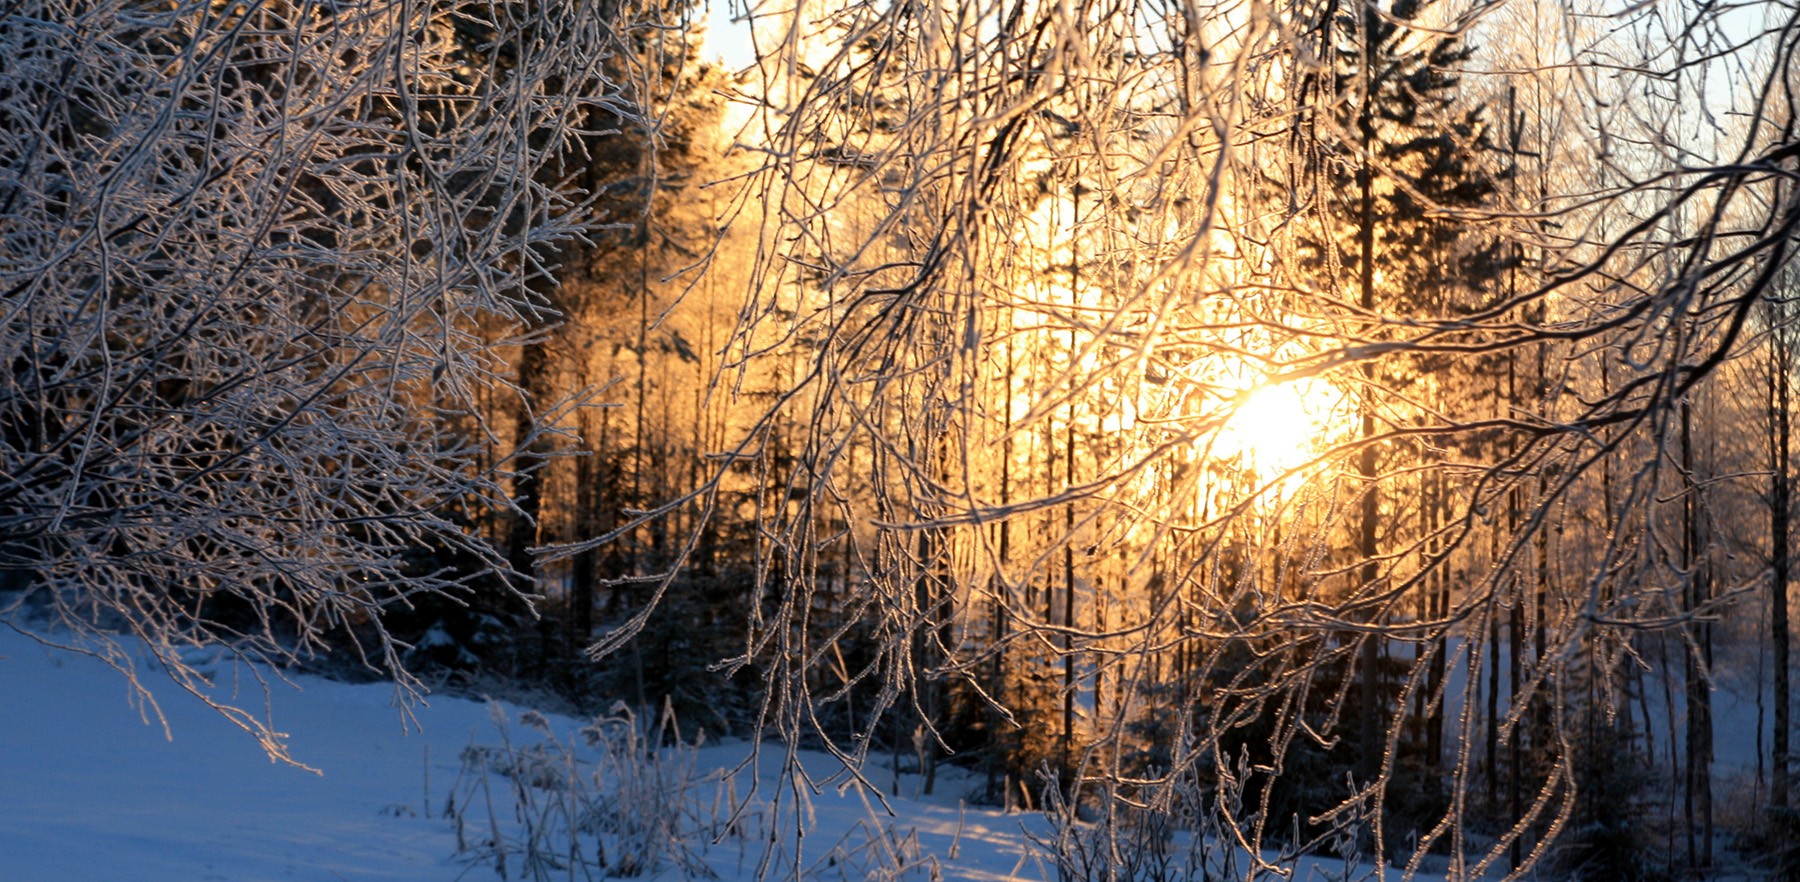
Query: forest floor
[{"x": 92, "y": 791}]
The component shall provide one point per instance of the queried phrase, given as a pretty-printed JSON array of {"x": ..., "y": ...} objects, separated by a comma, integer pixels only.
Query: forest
[{"x": 1315, "y": 426}]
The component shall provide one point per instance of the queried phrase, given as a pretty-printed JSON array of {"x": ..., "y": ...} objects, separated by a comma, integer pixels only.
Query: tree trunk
[
  {"x": 528, "y": 484},
  {"x": 585, "y": 577},
  {"x": 1491, "y": 747},
  {"x": 999, "y": 784},
  {"x": 1440, "y": 608},
  {"x": 1068, "y": 610},
  {"x": 1369, "y": 764},
  {"x": 1780, "y": 375},
  {"x": 1697, "y": 795},
  {"x": 1515, "y": 640}
]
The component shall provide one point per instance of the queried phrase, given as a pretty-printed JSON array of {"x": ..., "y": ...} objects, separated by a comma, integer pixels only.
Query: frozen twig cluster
[
  {"x": 621, "y": 798},
  {"x": 256, "y": 260},
  {"x": 1026, "y": 261}
]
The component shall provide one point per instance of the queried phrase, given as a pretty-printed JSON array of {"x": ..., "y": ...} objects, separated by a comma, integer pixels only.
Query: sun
[{"x": 1273, "y": 430}]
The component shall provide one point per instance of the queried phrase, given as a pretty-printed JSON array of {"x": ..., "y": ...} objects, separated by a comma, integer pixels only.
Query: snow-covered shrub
[
  {"x": 619, "y": 798},
  {"x": 1157, "y": 832},
  {"x": 875, "y": 850},
  {"x": 254, "y": 256}
]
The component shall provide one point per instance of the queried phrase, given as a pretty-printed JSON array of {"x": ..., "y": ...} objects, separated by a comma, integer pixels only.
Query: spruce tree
[{"x": 1397, "y": 148}]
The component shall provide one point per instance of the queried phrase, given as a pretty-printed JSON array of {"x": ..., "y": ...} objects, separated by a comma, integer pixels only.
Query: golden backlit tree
[{"x": 1064, "y": 259}]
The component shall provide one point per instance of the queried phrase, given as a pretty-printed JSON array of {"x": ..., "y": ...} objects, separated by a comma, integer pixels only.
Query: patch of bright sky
[{"x": 728, "y": 32}]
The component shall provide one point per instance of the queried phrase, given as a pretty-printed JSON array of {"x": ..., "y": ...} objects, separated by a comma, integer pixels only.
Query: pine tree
[{"x": 1397, "y": 149}]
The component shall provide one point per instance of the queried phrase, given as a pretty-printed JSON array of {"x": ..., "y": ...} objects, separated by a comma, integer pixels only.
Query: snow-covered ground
[{"x": 90, "y": 791}]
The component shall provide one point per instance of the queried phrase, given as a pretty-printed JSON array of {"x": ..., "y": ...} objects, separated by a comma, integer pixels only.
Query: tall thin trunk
[
  {"x": 1780, "y": 376},
  {"x": 1415, "y": 719},
  {"x": 1439, "y": 610},
  {"x": 1515, "y": 640},
  {"x": 1369, "y": 764},
  {"x": 1002, "y": 597},
  {"x": 928, "y": 594},
  {"x": 1668, "y": 696},
  {"x": 1515, "y": 625},
  {"x": 1691, "y": 745},
  {"x": 1068, "y": 618},
  {"x": 1539, "y": 711},
  {"x": 585, "y": 577},
  {"x": 1050, "y": 578},
  {"x": 1541, "y": 544},
  {"x": 1068, "y": 610},
  {"x": 1697, "y": 795},
  {"x": 1515, "y": 758},
  {"x": 528, "y": 483},
  {"x": 637, "y": 564},
  {"x": 1491, "y": 747}
]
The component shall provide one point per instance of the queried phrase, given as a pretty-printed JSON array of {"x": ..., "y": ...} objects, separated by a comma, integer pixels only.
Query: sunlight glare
[{"x": 1272, "y": 431}]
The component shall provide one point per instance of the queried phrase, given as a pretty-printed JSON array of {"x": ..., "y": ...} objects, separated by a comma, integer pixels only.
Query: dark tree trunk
[
  {"x": 1068, "y": 610},
  {"x": 1780, "y": 375},
  {"x": 1434, "y": 729},
  {"x": 528, "y": 483},
  {"x": 1369, "y": 763},
  {"x": 999, "y": 783},
  {"x": 1697, "y": 795},
  {"x": 585, "y": 578}
]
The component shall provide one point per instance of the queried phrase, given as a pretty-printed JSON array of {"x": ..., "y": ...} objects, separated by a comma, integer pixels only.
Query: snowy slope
[{"x": 89, "y": 792}]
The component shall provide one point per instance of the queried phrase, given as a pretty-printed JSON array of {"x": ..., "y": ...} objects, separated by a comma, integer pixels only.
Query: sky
[{"x": 728, "y": 34}]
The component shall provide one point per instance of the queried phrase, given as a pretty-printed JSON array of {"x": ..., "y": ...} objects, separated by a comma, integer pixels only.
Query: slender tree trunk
[
  {"x": 528, "y": 483},
  {"x": 1780, "y": 375},
  {"x": 1668, "y": 696},
  {"x": 534, "y": 382},
  {"x": 1491, "y": 747},
  {"x": 1515, "y": 641},
  {"x": 635, "y": 562},
  {"x": 1440, "y": 608},
  {"x": 1415, "y": 719},
  {"x": 999, "y": 783},
  {"x": 1068, "y": 610},
  {"x": 1068, "y": 618},
  {"x": 1515, "y": 759},
  {"x": 1697, "y": 795},
  {"x": 1369, "y": 764},
  {"x": 928, "y": 597},
  {"x": 584, "y": 579}
]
